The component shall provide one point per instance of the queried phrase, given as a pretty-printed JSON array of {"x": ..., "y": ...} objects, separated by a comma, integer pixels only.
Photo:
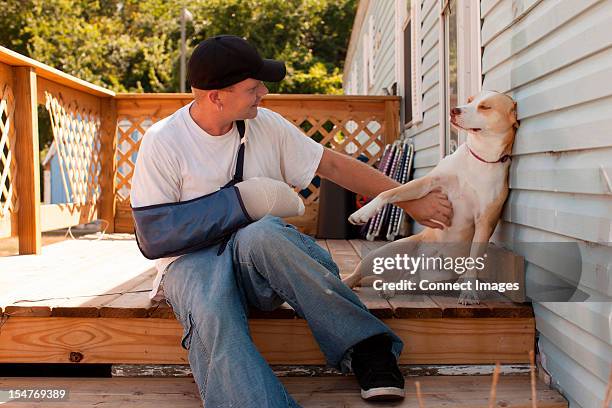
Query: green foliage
[
  {"x": 132, "y": 45},
  {"x": 316, "y": 80}
]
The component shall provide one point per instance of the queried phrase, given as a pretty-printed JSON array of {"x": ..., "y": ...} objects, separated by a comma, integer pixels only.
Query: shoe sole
[{"x": 383, "y": 394}]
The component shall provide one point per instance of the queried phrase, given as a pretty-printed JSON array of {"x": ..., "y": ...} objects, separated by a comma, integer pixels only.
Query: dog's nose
[{"x": 455, "y": 111}]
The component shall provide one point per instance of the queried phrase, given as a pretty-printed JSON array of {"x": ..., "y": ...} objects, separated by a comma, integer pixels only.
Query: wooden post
[
  {"x": 391, "y": 121},
  {"x": 27, "y": 155},
  {"x": 108, "y": 129}
]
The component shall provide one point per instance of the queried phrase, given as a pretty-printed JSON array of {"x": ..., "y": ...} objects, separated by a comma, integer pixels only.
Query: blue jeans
[{"x": 265, "y": 264}]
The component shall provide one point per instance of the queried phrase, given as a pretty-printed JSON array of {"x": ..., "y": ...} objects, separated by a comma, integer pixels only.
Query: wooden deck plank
[
  {"x": 501, "y": 306},
  {"x": 451, "y": 307},
  {"x": 344, "y": 255},
  {"x": 281, "y": 341},
  {"x": 375, "y": 244},
  {"x": 310, "y": 392},
  {"x": 30, "y": 311},
  {"x": 73, "y": 277},
  {"x": 364, "y": 247},
  {"x": 28, "y": 276},
  {"x": 114, "y": 275},
  {"x": 322, "y": 244},
  {"x": 437, "y": 392},
  {"x": 134, "y": 303},
  {"x": 493, "y": 305},
  {"x": 112, "y": 392},
  {"x": 460, "y": 339},
  {"x": 378, "y": 306},
  {"x": 360, "y": 247},
  {"x": 340, "y": 246},
  {"x": 414, "y": 306},
  {"x": 104, "y": 284},
  {"x": 161, "y": 311}
]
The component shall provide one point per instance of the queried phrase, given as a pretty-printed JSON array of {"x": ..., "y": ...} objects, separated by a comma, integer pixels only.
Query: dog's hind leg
[{"x": 368, "y": 269}]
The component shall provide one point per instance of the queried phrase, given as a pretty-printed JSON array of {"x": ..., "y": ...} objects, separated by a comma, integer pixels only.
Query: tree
[{"x": 134, "y": 45}]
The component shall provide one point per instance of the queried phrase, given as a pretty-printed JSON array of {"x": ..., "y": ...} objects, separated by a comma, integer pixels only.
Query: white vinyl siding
[
  {"x": 376, "y": 49},
  {"x": 426, "y": 134},
  {"x": 555, "y": 58}
]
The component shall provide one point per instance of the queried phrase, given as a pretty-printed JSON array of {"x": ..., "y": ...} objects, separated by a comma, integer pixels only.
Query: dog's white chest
[{"x": 471, "y": 185}]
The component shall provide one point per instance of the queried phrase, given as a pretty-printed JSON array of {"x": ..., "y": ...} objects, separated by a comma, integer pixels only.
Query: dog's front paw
[{"x": 362, "y": 215}]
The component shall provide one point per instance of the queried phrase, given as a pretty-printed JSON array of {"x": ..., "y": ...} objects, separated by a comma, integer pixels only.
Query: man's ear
[{"x": 214, "y": 97}]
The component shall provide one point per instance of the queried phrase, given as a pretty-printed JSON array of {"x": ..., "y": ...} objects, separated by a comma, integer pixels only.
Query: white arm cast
[{"x": 262, "y": 196}]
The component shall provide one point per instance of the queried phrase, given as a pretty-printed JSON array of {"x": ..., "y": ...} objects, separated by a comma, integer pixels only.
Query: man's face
[{"x": 244, "y": 97}]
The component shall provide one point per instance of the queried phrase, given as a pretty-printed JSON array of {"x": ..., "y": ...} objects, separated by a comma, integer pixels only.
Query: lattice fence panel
[
  {"x": 76, "y": 134},
  {"x": 352, "y": 135},
  {"x": 8, "y": 165},
  {"x": 130, "y": 130}
]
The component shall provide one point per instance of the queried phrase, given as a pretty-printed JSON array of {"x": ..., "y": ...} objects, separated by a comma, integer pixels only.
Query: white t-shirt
[{"x": 179, "y": 161}]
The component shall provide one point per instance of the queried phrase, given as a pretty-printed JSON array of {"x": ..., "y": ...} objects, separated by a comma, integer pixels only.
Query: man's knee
[
  {"x": 272, "y": 238},
  {"x": 264, "y": 234},
  {"x": 266, "y": 225}
]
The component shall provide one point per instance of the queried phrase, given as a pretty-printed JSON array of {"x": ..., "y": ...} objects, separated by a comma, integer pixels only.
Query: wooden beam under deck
[{"x": 281, "y": 341}]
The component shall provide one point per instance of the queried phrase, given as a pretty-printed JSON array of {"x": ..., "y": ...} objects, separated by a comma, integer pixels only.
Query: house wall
[
  {"x": 426, "y": 134},
  {"x": 384, "y": 46},
  {"x": 370, "y": 64},
  {"x": 58, "y": 192},
  {"x": 555, "y": 58},
  {"x": 378, "y": 45}
]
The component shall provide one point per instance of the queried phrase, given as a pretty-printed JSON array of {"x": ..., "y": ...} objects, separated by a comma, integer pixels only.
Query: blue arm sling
[{"x": 173, "y": 229}]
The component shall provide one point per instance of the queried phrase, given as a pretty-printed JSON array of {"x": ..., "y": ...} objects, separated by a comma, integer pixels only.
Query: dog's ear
[
  {"x": 470, "y": 99},
  {"x": 513, "y": 117}
]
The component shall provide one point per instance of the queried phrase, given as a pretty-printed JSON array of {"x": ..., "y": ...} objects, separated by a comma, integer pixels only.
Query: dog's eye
[{"x": 483, "y": 107}]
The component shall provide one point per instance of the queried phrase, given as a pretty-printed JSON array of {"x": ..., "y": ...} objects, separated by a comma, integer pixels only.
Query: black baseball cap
[{"x": 224, "y": 60}]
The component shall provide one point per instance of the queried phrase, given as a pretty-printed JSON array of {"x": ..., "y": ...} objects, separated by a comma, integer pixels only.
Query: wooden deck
[
  {"x": 86, "y": 300},
  {"x": 329, "y": 392}
]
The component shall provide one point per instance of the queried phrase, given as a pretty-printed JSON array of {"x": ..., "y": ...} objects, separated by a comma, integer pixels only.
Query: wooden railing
[
  {"x": 97, "y": 136},
  {"x": 82, "y": 134}
]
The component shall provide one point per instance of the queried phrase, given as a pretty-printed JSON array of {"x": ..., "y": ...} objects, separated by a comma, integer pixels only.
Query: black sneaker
[{"x": 376, "y": 370}]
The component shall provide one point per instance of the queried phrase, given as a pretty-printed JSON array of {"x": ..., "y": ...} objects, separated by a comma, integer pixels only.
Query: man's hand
[{"x": 434, "y": 206}]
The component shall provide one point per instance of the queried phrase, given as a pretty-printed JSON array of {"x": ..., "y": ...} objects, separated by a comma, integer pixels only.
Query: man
[{"x": 192, "y": 153}]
